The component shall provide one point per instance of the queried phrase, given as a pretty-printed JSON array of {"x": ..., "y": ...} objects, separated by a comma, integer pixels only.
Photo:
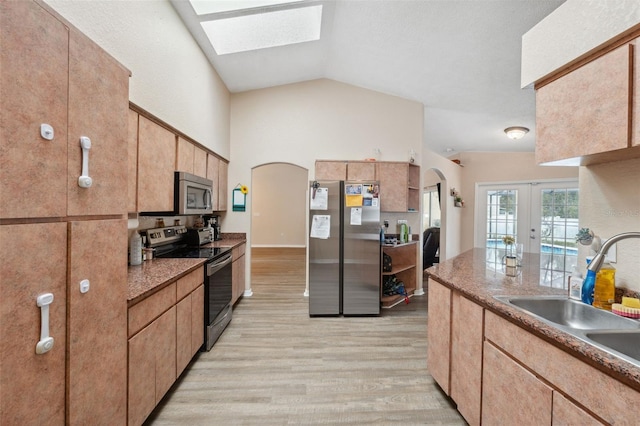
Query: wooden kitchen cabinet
[
  {"x": 330, "y": 170},
  {"x": 399, "y": 186},
  {"x": 238, "y": 272},
  {"x": 511, "y": 394},
  {"x": 190, "y": 317},
  {"x": 403, "y": 267},
  {"x": 566, "y": 413},
  {"x": 199, "y": 161},
  {"x": 132, "y": 163},
  {"x": 223, "y": 185},
  {"x": 156, "y": 163},
  {"x": 439, "y": 334},
  {"x": 26, "y": 378},
  {"x": 361, "y": 170},
  {"x": 213, "y": 173},
  {"x": 97, "y": 322},
  {"x": 33, "y": 176},
  {"x": 467, "y": 324},
  {"x": 98, "y": 108},
  {"x": 588, "y": 112},
  {"x": 53, "y": 74},
  {"x": 186, "y": 153}
]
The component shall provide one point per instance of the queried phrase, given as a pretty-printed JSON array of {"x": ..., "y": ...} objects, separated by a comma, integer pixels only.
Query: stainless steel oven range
[{"x": 180, "y": 242}]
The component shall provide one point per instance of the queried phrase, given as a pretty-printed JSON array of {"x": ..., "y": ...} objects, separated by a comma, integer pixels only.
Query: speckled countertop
[
  {"x": 153, "y": 275},
  {"x": 479, "y": 280}
]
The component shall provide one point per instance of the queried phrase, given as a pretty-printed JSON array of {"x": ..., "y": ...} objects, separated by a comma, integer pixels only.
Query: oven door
[
  {"x": 217, "y": 295},
  {"x": 193, "y": 194}
]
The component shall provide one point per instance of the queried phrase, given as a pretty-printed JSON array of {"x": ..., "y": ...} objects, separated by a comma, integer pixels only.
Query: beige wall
[
  {"x": 279, "y": 206},
  {"x": 571, "y": 31},
  {"x": 320, "y": 119},
  {"x": 170, "y": 76},
  {"x": 496, "y": 167},
  {"x": 609, "y": 205}
]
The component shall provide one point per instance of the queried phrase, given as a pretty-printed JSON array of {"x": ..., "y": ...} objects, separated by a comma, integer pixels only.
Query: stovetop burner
[{"x": 196, "y": 252}]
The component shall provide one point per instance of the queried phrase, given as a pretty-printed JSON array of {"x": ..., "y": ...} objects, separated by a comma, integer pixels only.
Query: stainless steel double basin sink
[{"x": 614, "y": 334}]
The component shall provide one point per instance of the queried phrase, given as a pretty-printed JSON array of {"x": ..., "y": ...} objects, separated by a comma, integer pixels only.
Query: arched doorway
[{"x": 278, "y": 227}]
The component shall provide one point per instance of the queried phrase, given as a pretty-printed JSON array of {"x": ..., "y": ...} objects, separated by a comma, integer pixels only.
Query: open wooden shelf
[{"x": 403, "y": 266}]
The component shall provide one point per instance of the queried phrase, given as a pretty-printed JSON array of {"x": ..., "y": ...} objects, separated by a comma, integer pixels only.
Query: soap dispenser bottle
[{"x": 604, "y": 292}]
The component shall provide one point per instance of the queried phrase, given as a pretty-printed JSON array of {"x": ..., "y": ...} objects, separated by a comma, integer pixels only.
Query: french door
[{"x": 542, "y": 216}]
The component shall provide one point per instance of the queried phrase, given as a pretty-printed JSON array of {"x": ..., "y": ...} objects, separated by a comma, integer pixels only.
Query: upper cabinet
[
  {"x": 132, "y": 141},
  {"x": 399, "y": 182},
  {"x": 52, "y": 97},
  {"x": 191, "y": 158},
  {"x": 587, "y": 116},
  {"x": 399, "y": 187},
  {"x": 156, "y": 163},
  {"x": 222, "y": 186}
]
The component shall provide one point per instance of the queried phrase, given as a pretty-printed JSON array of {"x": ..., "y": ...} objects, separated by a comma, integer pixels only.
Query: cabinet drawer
[
  {"x": 141, "y": 314},
  {"x": 189, "y": 282},
  {"x": 602, "y": 394},
  {"x": 238, "y": 251}
]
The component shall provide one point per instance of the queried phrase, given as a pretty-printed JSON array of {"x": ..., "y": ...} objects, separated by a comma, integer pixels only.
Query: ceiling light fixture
[{"x": 516, "y": 132}]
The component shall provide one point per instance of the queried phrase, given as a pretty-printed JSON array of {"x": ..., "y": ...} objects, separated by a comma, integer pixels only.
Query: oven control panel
[{"x": 168, "y": 235}]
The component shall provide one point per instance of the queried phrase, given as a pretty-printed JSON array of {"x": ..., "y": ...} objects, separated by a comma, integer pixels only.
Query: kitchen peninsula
[{"x": 497, "y": 362}]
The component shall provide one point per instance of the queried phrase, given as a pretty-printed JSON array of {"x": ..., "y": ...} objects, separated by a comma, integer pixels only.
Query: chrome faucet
[{"x": 598, "y": 259}]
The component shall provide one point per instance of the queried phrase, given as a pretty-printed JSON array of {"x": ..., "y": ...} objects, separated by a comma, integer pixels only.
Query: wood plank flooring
[{"x": 276, "y": 366}]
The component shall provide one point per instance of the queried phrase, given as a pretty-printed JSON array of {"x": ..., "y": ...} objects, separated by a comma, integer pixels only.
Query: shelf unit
[{"x": 403, "y": 262}]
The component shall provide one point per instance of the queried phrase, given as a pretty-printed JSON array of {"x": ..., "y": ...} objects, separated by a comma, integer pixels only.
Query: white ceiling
[{"x": 459, "y": 58}]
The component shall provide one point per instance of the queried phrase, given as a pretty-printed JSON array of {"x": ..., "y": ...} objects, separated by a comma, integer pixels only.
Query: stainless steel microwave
[{"x": 193, "y": 194}]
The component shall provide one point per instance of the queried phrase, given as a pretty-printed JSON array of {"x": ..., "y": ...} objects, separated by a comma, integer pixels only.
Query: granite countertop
[
  {"x": 152, "y": 275},
  {"x": 479, "y": 280}
]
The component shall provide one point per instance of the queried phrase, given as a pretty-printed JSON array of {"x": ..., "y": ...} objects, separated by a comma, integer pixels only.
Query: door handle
[
  {"x": 46, "y": 342},
  {"x": 85, "y": 181}
]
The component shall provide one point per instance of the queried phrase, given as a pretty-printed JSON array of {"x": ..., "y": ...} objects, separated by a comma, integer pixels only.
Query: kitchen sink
[
  {"x": 570, "y": 313},
  {"x": 626, "y": 342}
]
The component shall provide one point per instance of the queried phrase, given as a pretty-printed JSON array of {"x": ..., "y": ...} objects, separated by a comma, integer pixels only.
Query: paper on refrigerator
[{"x": 320, "y": 226}]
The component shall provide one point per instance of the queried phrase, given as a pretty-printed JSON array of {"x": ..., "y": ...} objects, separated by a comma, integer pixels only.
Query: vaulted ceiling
[{"x": 459, "y": 58}]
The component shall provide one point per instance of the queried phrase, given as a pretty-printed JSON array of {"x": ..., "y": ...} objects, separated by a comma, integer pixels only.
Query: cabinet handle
[
  {"x": 85, "y": 181},
  {"x": 46, "y": 342}
]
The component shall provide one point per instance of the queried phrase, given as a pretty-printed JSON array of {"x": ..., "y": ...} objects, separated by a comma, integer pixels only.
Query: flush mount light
[
  {"x": 516, "y": 132},
  {"x": 262, "y": 30}
]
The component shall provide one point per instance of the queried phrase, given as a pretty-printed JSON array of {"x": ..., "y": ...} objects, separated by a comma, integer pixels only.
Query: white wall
[
  {"x": 499, "y": 167},
  {"x": 320, "y": 119},
  {"x": 171, "y": 78},
  {"x": 574, "y": 29},
  {"x": 609, "y": 205},
  {"x": 279, "y": 206}
]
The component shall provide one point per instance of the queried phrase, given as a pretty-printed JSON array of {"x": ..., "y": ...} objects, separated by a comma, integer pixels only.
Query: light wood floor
[{"x": 276, "y": 366}]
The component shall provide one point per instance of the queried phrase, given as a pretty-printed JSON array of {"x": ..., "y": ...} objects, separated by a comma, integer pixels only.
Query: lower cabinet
[
  {"x": 439, "y": 333},
  {"x": 238, "y": 273},
  {"x": 511, "y": 394},
  {"x": 164, "y": 334},
  {"x": 403, "y": 267}
]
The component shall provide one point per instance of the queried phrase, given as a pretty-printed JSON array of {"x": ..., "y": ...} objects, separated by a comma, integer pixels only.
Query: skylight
[
  {"x": 262, "y": 30},
  {"x": 203, "y": 7}
]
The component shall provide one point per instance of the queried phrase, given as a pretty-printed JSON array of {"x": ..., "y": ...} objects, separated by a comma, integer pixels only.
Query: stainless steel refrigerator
[{"x": 344, "y": 248}]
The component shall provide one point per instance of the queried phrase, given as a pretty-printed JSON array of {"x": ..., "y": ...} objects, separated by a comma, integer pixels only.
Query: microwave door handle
[{"x": 207, "y": 199}]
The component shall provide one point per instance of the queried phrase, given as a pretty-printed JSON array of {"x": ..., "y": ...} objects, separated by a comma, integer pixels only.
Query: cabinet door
[
  {"x": 393, "y": 178},
  {"x": 566, "y": 413},
  {"x": 439, "y": 333},
  {"x": 98, "y": 109},
  {"x": 183, "y": 334},
  {"x": 132, "y": 156},
  {"x": 361, "y": 170},
  {"x": 331, "y": 170},
  {"x": 34, "y": 82},
  {"x": 222, "y": 186},
  {"x": 165, "y": 350},
  {"x": 213, "y": 172},
  {"x": 33, "y": 386},
  {"x": 199, "y": 161},
  {"x": 466, "y": 357},
  {"x": 238, "y": 278},
  {"x": 142, "y": 374},
  {"x": 97, "y": 322},
  {"x": 156, "y": 162},
  {"x": 197, "y": 319},
  {"x": 586, "y": 111},
  {"x": 184, "y": 162},
  {"x": 511, "y": 394}
]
